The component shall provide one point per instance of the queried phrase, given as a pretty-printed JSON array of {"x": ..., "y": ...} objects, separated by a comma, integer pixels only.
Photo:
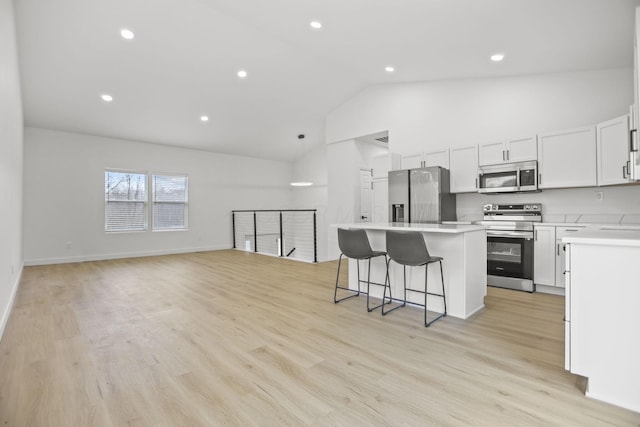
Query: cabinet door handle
[
  {"x": 507, "y": 155},
  {"x": 503, "y": 158},
  {"x": 558, "y": 249},
  {"x": 624, "y": 172},
  {"x": 476, "y": 183}
]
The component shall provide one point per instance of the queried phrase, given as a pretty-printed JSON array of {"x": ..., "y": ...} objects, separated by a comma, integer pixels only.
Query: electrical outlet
[
  {"x": 599, "y": 195},
  {"x": 68, "y": 245}
]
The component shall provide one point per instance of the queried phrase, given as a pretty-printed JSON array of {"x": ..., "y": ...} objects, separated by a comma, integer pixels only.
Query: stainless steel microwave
[{"x": 508, "y": 178}]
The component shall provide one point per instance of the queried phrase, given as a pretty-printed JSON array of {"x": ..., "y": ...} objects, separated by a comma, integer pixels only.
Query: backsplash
[{"x": 618, "y": 205}]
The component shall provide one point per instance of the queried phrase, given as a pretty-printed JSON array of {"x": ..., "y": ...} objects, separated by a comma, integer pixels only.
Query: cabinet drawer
[{"x": 567, "y": 230}]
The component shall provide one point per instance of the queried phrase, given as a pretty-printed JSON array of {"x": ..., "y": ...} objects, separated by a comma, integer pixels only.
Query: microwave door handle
[{"x": 518, "y": 178}]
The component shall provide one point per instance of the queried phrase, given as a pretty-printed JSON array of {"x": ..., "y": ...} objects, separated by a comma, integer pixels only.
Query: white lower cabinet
[
  {"x": 544, "y": 255},
  {"x": 561, "y": 253},
  {"x": 603, "y": 317},
  {"x": 549, "y": 254}
]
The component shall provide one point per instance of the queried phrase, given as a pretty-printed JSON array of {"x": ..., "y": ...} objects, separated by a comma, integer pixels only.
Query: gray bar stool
[
  {"x": 354, "y": 244},
  {"x": 408, "y": 248}
]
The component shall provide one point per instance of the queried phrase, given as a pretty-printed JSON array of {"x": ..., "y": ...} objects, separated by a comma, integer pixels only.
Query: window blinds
[{"x": 125, "y": 201}]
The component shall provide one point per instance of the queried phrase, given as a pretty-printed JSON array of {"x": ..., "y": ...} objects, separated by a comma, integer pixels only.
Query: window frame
[
  {"x": 152, "y": 195},
  {"x": 145, "y": 202}
]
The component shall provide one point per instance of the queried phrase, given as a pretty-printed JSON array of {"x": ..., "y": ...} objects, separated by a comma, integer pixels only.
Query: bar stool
[
  {"x": 354, "y": 244},
  {"x": 408, "y": 248}
]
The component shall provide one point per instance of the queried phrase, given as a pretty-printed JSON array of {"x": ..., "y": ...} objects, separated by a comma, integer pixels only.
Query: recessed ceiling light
[
  {"x": 242, "y": 74},
  {"x": 106, "y": 97},
  {"x": 497, "y": 57},
  {"x": 301, "y": 184},
  {"x": 204, "y": 118},
  {"x": 316, "y": 25},
  {"x": 389, "y": 69},
  {"x": 127, "y": 34}
]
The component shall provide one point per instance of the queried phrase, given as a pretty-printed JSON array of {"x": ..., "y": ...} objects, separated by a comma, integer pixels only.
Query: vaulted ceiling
[{"x": 183, "y": 61}]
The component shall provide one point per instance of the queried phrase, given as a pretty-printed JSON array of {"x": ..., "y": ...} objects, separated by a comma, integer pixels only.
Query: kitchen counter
[
  {"x": 610, "y": 235},
  {"x": 464, "y": 249},
  {"x": 424, "y": 228},
  {"x": 563, "y": 224}
]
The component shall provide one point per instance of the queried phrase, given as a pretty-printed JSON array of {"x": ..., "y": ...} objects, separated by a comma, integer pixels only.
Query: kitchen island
[
  {"x": 464, "y": 249},
  {"x": 602, "y": 342}
]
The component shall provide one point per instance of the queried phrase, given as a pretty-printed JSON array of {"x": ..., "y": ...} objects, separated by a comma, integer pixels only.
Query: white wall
[
  {"x": 430, "y": 115},
  {"x": 426, "y": 115},
  {"x": 64, "y": 195},
  {"x": 344, "y": 162},
  {"x": 11, "y": 124},
  {"x": 313, "y": 167}
]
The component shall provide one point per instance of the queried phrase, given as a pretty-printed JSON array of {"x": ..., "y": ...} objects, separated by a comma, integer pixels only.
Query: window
[
  {"x": 125, "y": 195},
  {"x": 170, "y": 202}
]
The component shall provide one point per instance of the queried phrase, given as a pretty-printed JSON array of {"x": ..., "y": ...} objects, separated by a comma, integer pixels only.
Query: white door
[
  {"x": 365, "y": 195},
  {"x": 380, "y": 201}
]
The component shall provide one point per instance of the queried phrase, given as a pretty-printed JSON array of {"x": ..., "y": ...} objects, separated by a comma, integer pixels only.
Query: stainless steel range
[{"x": 510, "y": 244}]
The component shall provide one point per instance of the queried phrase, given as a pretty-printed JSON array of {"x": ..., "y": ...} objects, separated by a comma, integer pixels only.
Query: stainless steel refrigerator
[{"x": 421, "y": 196}]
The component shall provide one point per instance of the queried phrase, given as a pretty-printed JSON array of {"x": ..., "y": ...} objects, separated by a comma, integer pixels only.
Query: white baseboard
[
  {"x": 549, "y": 290},
  {"x": 103, "y": 257},
  {"x": 9, "y": 308}
]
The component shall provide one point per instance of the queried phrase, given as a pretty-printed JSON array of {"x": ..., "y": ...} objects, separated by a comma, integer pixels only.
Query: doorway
[{"x": 365, "y": 195}]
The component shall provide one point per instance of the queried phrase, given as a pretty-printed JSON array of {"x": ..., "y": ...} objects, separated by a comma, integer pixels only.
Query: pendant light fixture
[{"x": 300, "y": 182}]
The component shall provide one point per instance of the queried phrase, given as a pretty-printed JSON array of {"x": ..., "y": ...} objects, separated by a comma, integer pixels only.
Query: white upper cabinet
[
  {"x": 567, "y": 158},
  {"x": 514, "y": 150},
  {"x": 612, "y": 141},
  {"x": 464, "y": 169},
  {"x": 522, "y": 149},
  {"x": 491, "y": 153},
  {"x": 437, "y": 158},
  {"x": 426, "y": 159},
  {"x": 383, "y": 163},
  {"x": 412, "y": 161}
]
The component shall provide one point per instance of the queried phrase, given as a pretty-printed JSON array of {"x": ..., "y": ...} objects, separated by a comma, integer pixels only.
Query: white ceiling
[{"x": 183, "y": 60}]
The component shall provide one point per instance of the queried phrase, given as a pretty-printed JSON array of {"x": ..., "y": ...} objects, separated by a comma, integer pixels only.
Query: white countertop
[
  {"x": 424, "y": 228},
  {"x": 606, "y": 235},
  {"x": 562, "y": 224}
]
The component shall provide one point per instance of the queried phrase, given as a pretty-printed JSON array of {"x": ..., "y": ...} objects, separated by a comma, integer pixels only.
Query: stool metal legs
[
  {"x": 387, "y": 282},
  {"x": 335, "y": 293},
  {"x": 425, "y": 292},
  {"x": 444, "y": 298},
  {"x": 357, "y": 292}
]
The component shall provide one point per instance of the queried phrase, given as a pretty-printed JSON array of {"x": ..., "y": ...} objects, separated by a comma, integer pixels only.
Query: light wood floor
[{"x": 233, "y": 338}]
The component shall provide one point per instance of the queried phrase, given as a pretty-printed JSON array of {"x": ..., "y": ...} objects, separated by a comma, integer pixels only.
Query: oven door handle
[{"x": 524, "y": 234}]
